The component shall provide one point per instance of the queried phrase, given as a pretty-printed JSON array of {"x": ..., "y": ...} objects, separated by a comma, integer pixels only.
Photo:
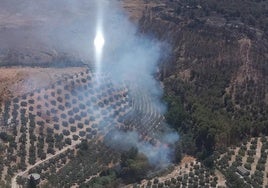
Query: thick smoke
[
  {"x": 134, "y": 59},
  {"x": 69, "y": 27},
  {"x": 159, "y": 154}
]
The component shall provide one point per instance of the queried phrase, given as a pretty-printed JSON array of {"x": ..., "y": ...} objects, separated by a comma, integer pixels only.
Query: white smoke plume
[
  {"x": 69, "y": 27},
  {"x": 158, "y": 155}
]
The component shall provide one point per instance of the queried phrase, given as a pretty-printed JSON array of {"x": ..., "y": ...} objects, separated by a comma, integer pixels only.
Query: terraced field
[
  {"x": 246, "y": 163},
  {"x": 144, "y": 117},
  {"x": 190, "y": 173},
  {"x": 48, "y": 123},
  {"x": 44, "y": 122}
]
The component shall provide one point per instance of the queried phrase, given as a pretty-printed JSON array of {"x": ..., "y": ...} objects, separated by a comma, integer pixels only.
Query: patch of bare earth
[
  {"x": 265, "y": 179},
  {"x": 185, "y": 75},
  {"x": 221, "y": 179},
  {"x": 246, "y": 71},
  {"x": 256, "y": 157},
  {"x": 183, "y": 167},
  {"x": 17, "y": 81},
  {"x": 244, "y": 159},
  {"x": 233, "y": 156},
  {"x": 136, "y": 8}
]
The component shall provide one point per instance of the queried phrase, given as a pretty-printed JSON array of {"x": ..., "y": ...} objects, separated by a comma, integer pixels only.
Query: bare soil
[
  {"x": 17, "y": 81},
  {"x": 135, "y": 8}
]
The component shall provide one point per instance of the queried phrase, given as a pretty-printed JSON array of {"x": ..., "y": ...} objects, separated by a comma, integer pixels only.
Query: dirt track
[{"x": 13, "y": 180}]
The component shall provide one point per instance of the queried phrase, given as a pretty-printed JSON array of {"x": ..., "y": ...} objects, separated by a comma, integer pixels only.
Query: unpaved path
[
  {"x": 233, "y": 156},
  {"x": 256, "y": 157},
  {"x": 244, "y": 159},
  {"x": 265, "y": 179},
  {"x": 221, "y": 179},
  {"x": 13, "y": 180}
]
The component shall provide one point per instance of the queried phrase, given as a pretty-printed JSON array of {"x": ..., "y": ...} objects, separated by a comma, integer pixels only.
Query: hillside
[
  {"x": 79, "y": 126},
  {"x": 216, "y": 70}
]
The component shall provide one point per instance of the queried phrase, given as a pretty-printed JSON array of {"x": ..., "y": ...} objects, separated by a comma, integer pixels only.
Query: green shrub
[
  {"x": 247, "y": 166},
  {"x": 250, "y": 160},
  {"x": 156, "y": 181},
  {"x": 260, "y": 167},
  {"x": 241, "y": 152},
  {"x": 251, "y": 152},
  {"x": 253, "y": 147},
  {"x": 263, "y": 139}
]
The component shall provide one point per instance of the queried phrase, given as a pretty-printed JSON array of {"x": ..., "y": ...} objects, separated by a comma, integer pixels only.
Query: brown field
[{"x": 17, "y": 81}]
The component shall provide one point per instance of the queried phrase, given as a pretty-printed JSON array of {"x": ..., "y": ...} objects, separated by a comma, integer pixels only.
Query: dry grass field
[{"x": 16, "y": 81}]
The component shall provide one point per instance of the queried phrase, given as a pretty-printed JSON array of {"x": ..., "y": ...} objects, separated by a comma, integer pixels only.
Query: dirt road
[{"x": 13, "y": 180}]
